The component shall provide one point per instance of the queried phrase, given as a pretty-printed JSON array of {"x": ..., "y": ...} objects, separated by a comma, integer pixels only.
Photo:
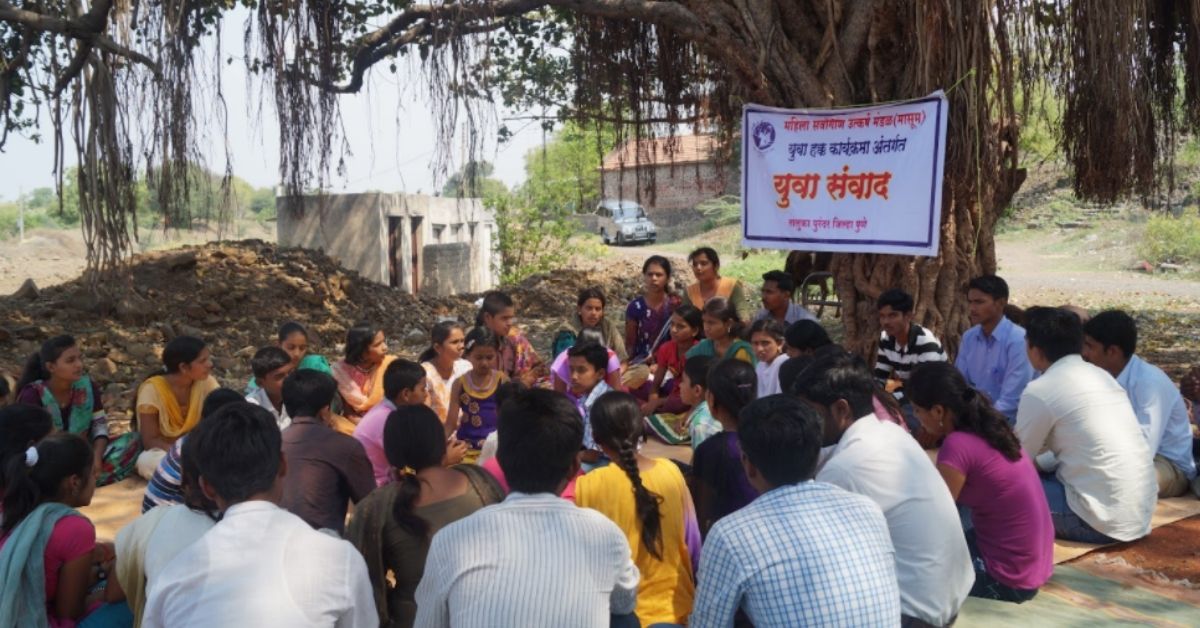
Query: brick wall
[{"x": 678, "y": 186}]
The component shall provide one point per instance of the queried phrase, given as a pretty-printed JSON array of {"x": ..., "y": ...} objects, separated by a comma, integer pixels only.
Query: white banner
[{"x": 855, "y": 180}]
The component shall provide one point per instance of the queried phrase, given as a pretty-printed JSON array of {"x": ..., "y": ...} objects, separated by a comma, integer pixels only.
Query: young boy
[
  {"x": 589, "y": 366},
  {"x": 404, "y": 384},
  {"x": 694, "y": 391},
  {"x": 271, "y": 365}
]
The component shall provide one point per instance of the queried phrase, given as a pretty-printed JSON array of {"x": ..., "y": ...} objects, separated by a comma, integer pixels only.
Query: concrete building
[
  {"x": 667, "y": 175},
  {"x": 418, "y": 243}
]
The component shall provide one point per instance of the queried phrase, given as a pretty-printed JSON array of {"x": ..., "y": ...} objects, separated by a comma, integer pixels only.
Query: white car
[{"x": 624, "y": 222}]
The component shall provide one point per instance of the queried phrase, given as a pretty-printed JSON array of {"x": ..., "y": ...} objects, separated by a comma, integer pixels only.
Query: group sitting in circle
[{"x": 486, "y": 485}]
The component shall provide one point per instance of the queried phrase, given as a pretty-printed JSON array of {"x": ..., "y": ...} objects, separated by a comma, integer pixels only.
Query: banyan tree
[{"x": 120, "y": 80}]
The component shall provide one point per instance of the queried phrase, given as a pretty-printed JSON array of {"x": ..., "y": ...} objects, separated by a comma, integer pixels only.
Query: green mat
[{"x": 1074, "y": 597}]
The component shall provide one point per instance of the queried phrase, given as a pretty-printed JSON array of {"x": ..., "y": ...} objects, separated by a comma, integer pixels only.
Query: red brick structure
[{"x": 667, "y": 174}]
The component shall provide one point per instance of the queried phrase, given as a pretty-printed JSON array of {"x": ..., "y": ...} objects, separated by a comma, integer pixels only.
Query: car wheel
[
  {"x": 652, "y": 240},
  {"x": 620, "y": 239},
  {"x": 604, "y": 237}
]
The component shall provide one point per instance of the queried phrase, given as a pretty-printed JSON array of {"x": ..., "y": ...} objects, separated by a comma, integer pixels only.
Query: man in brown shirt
[{"x": 325, "y": 469}]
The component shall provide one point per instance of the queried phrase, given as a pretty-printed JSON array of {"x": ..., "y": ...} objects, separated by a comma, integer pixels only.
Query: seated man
[
  {"x": 326, "y": 469},
  {"x": 1098, "y": 472},
  {"x": 992, "y": 355},
  {"x": 777, "y": 290},
  {"x": 260, "y": 565},
  {"x": 801, "y": 544},
  {"x": 534, "y": 559},
  {"x": 878, "y": 460},
  {"x": 903, "y": 344},
  {"x": 1109, "y": 342}
]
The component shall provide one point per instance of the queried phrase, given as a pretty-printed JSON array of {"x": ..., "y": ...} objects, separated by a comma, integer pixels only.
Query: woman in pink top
[{"x": 1011, "y": 536}]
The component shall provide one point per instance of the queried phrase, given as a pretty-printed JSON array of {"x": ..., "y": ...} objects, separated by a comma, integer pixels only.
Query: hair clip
[{"x": 31, "y": 456}]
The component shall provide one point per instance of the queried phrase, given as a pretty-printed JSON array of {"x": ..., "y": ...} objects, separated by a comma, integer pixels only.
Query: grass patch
[{"x": 1171, "y": 240}]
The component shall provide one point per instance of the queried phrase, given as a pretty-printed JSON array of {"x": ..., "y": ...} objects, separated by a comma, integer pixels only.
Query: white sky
[{"x": 388, "y": 127}]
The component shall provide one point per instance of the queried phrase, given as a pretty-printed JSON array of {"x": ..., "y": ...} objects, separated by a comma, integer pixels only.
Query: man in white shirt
[
  {"x": 1109, "y": 342},
  {"x": 1076, "y": 421},
  {"x": 534, "y": 559},
  {"x": 260, "y": 566},
  {"x": 879, "y": 460},
  {"x": 271, "y": 365}
]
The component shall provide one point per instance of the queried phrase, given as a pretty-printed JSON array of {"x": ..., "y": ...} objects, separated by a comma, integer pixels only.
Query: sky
[{"x": 388, "y": 127}]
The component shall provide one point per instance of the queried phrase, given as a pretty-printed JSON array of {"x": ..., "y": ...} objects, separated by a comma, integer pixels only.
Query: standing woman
[
  {"x": 649, "y": 500},
  {"x": 359, "y": 374},
  {"x": 169, "y": 403},
  {"x": 55, "y": 381},
  {"x": 48, "y": 550},
  {"x": 393, "y": 525},
  {"x": 1011, "y": 536},
  {"x": 647, "y": 316},
  {"x": 443, "y": 363},
  {"x": 706, "y": 266}
]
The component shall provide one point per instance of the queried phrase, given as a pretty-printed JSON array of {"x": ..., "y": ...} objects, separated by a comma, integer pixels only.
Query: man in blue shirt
[
  {"x": 992, "y": 355},
  {"x": 1109, "y": 342},
  {"x": 804, "y": 553}
]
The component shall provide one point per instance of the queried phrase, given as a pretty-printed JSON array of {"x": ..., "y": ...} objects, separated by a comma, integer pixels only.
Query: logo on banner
[{"x": 764, "y": 135}]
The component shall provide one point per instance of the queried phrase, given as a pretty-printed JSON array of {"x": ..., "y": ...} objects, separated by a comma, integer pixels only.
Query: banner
[{"x": 855, "y": 180}]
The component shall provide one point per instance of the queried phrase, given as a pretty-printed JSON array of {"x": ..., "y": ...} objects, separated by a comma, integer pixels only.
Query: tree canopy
[{"x": 1128, "y": 72}]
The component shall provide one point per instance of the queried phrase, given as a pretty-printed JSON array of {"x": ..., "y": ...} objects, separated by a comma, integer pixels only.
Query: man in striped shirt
[
  {"x": 903, "y": 344},
  {"x": 534, "y": 559}
]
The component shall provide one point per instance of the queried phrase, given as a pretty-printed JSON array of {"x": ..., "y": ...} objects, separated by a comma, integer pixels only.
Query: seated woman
[
  {"x": 649, "y": 500},
  {"x": 518, "y": 360},
  {"x": 48, "y": 551},
  {"x": 54, "y": 379},
  {"x": 147, "y": 545},
  {"x": 1011, "y": 535},
  {"x": 722, "y": 333},
  {"x": 706, "y": 267},
  {"x": 393, "y": 525},
  {"x": 648, "y": 316},
  {"x": 444, "y": 364},
  {"x": 359, "y": 374},
  {"x": 169, "y": 403}
]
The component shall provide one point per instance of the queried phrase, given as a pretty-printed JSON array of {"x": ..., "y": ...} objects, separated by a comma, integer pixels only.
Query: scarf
[
  {"x": 23, "y": 566},
  {"x": 171, "y": 421},
  {"x": 725, "y": 286},
  {"x": 79, "y": 421}
]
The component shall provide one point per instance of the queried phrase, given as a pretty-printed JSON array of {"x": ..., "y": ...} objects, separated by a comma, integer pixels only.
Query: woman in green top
[
  {"x": 293, "y": 339},
  {"x": 55, "y": 380},
  {"x": 722, "y": 333}
]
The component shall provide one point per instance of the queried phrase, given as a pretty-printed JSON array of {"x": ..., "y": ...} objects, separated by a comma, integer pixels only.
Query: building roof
[{"x": 660, "y": 151}]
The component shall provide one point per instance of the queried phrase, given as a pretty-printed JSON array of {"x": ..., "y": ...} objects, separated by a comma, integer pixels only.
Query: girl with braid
[{"x": 649, "y": 500}]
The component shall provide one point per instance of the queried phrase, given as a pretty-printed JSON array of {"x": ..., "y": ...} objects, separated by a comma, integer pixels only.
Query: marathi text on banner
[{"x": 865, "y": 179}]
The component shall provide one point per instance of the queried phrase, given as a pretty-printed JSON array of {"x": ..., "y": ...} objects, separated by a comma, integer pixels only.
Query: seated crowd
[{"x": 483, "y": 485}]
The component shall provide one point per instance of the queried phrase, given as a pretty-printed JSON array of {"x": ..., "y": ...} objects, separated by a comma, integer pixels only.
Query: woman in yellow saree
[
  {"x": 360, "y": 374},
  {"x": 169, "y": 403}
]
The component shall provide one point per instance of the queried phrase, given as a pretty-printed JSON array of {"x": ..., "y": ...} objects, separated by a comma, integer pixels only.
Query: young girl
[
  {"x": 589, "y": 315},
  {"x": 722, "y": 327},
  {"x": 169, "y": 404},
  {"x": 392, "y": 527},
  {"x": 474, "y": 412},
  {"x": 766, "y": 336},
  {"x": 718, "y": 478},
  {"x": 293, "y": 339},
  {"x": 517, "y": 359},
  {"x": 649, "y": 500},
  {"x": 685, "y": 327},
  {"x": 359, "y": 374},
  {"x": 444, "y": 364},
  {"x": 54, "y": 379},
  {"x": 44, "y": 540},
  {"x": 1011, "y": 537},
  {"x": 647, "y": 316}
]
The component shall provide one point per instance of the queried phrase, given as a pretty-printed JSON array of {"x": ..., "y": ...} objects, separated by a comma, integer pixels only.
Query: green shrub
[{"x": 1172, "y": 240}]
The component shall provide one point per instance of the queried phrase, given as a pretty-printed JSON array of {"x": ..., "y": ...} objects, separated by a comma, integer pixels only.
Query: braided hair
[
  {"x": 413, "y": 439},
  {"x": 617, "y": 424}
]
